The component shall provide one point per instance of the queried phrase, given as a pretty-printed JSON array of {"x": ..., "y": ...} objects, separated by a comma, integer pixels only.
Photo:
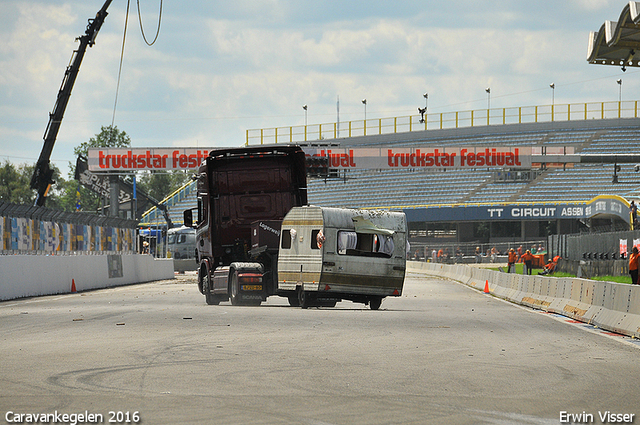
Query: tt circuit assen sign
[
  {"x": 134, "y": 159},
  {"x": 605, "y": 205}
]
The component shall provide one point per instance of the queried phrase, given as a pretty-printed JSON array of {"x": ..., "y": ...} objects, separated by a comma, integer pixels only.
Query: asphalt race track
[{"x": 440, "y": 354}]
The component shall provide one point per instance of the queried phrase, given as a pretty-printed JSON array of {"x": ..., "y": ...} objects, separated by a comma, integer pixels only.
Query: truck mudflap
[{"x": 246, "y": 284}]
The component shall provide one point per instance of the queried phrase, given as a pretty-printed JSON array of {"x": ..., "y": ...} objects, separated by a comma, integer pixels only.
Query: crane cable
[
  {"x": 124, "y": 37},
  {"x": 142, "y": 28}
]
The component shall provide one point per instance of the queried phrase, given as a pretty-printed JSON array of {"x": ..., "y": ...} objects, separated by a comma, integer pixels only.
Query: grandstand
[
  {"x": 416, "y": 189},
  {"x": 413, "y": 188},
  {"x": 180, "y": 200}
]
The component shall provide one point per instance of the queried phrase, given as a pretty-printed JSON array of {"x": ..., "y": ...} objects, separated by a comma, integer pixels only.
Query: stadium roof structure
[{"x": 617, "y": 43}]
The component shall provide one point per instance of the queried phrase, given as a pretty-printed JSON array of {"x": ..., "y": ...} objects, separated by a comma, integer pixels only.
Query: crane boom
[{"x": 42, "y": 174}]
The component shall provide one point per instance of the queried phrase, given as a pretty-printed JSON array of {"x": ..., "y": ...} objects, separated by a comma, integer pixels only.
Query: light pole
[
  {"x": 364, "y": 102},
  {"x": 305, "y": 114},
  {"x": 620, "y": 91},
  {"x": 553, "y": 98},
  {"x": 424, "y": 111},
  {"x": 488, "y": 90}
]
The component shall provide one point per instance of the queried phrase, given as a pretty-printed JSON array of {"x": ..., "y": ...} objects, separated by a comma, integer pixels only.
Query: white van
[
  {"x": 330, "y": 254},
  {"x": 181, "y": 243}
]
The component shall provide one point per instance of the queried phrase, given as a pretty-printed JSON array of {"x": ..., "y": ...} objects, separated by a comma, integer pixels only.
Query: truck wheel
[
  {"x": 303, "y": 298},
  {"x": 203, "y": 286},
  {"x": 375, "y": 303},
  {"x": 235, "y": 297}
]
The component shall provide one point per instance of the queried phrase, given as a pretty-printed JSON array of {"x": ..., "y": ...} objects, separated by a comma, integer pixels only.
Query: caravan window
[
  {"x": 365, "y": 244},
  {"x": 317, "y": 239},
  {"x": 347, "y": 241},
  {"x": 385, "y": 244},
  {"x": 286, "y": 239}
]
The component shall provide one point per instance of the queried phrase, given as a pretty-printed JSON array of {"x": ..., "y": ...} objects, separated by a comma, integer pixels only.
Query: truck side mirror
[{"x": 188, "y": 218}]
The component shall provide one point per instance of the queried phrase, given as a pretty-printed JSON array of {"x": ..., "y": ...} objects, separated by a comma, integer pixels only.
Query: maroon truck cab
[{"x": 243, "y": 195}]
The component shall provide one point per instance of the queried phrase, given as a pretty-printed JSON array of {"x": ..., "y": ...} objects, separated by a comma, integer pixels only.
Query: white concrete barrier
[
  {"x": 34, "y": 275},
  {"x": 608, "y": 305}
]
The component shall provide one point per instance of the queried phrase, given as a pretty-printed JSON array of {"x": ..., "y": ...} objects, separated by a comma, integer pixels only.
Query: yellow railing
[{"x": 444, "y": 120}]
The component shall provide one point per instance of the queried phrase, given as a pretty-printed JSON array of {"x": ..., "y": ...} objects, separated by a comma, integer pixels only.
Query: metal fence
[
  {"x": 424, "y": 251},
  {"x": 592, "y": 246},
  {"x": 26, "y": 229},
  {"x": 456, "y": 119},
  {"x": 594, "y": 254}
]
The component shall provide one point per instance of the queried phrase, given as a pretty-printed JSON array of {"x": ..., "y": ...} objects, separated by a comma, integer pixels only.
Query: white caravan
[{"x": 330, "y": 254}]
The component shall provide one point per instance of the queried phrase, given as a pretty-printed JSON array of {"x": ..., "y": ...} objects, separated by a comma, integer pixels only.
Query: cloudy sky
[{"x": 221, "y": 67}]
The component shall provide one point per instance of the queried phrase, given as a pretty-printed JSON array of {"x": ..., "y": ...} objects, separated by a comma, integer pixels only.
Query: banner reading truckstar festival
[
  {"x": 132, "y": 159},
  {"x": 425, "y": 157}
]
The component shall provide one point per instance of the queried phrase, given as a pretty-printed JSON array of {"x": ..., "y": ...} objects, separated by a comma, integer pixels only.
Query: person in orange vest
[
  {"x": 633, "y": 265},
  {"x": 548, "y": 268},
  {"x": 511, "y": 259},
  {"x": 527, "y": 258}
]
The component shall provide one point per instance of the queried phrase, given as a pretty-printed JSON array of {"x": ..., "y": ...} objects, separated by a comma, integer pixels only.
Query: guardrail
[
  {"x": 36, "y": 275},
  {"x": 444, "y": 120},
  {"x": 26, "y": 229},
  {"x": 608, "y": 305}
]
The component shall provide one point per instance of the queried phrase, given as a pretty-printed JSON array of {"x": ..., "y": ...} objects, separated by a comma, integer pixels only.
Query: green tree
[
  {"x": 159, "y": 185},
  {"x": 67, "y": 198},
  {"x": 14, "y": 184},
  {"x": 109, "y": 137}
]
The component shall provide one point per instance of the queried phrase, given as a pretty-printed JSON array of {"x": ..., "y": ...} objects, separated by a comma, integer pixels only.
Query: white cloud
[
  {"x": 595, "y": 5},
  {"x": 217, "y": 71},
  {"x": 31, "y": 49}
]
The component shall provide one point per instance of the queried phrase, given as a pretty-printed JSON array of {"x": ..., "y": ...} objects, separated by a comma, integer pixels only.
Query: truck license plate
[{"x": 251, "y": 287}]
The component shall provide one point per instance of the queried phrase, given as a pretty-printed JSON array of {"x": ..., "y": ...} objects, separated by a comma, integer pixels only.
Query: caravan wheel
[
  {"x": 303, "y": 298},
  {"x": 375, "y": 303}
]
